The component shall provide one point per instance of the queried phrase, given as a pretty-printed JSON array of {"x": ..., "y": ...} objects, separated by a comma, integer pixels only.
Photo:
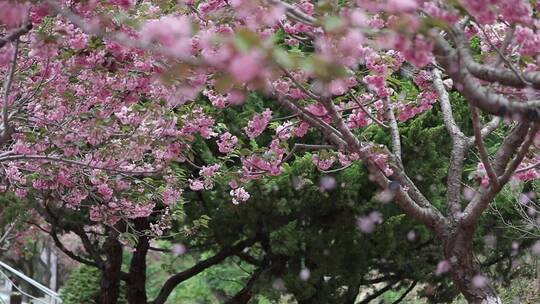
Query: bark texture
[
  {"x": 465, "y": 272},
  {"x": 111, "y": 272},
  {"x": 136, "y": 291}
]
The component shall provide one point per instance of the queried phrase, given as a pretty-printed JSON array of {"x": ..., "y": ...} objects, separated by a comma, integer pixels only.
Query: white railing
[{"x": 52, "y": 297}]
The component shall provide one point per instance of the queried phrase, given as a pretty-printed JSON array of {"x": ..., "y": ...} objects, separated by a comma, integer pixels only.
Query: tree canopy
[{"x": 124, "y": 122}]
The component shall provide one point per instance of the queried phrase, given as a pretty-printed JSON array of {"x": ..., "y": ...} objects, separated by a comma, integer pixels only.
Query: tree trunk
[
  {"x": 465, "y": 272},
  {"x": 136, "y": 291},
  {"x": 111, "y": 272}
]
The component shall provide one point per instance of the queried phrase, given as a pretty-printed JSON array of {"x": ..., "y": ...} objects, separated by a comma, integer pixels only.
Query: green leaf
[{"x": 246, "y": 39}]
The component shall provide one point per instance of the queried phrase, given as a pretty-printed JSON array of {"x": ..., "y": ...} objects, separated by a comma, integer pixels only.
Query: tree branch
[
  {"x": 371, "y": 116},
  {"x": 491, "y": 73},
  {"x": 7, "y": 88},
  {"x": 499, "y": 52},
  {"x": 10, "y": 157},
  {"x": 391, "y": 277},
  {"x": 509, "y": 146},
  {"x": 459, "y": 148},
  {"x": 305, "y": 147},
  {"x": 416, "y": 205},
  {"x": 507, "y": 39},
  {"x": 295, "y": 13},
  {"x": 79, "y": 231},
  {"x": 299, "y": 85},
  {"x": 458, "y": 69},
  {"x": 394, "y": 131},
  {"x": 490, "y": 126},
  {"x": 325, "y": 130},
  {"x": 377, "y": 293},
  {"x": 178, "y": 278},
  {"x": 446, "y": 107},
  {"x": 481, "y": 147},
  {"x": 245, "y": 294},
  {"x": 68, "y": 252},
  {"x": 15, "y": 34},
  {"x": 520, "y": 155},
  {"x": 248, "y": 259},
  {"x": 521, "y": 137},
  {"x": 525, "y": 169},
  {"x": 398, "y": 300}
]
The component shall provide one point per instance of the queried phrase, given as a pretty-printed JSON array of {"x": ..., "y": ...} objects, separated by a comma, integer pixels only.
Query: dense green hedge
[{"x": 82, "y": 287}]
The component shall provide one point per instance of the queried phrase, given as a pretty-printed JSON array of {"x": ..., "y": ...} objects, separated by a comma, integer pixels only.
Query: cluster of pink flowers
[
  {"x": 173, "y": 32},
  {"x": 381, "y": 160},
  {"x": 246, "y": 66},
  {"x": 6, "y": 55},
  {"x": 239, "y": 195},
  {"x": 511, "y": 11},
  {"x": 227, "y": 142},
  {"x": 256, "y": 166},
  {"x": 341, "y": 86},
  {"x": 434, "y": 10},
  {"x": 529, "y": 41},
  {"x": 323, "y": 163},
  {"x": 171, "y": 196},
  {"x": 13, "y": 14},
  {"x": 207, "y": 7},
  {"x": 258, "y": 124},
  {"x": 423, "y": 80},
  {"x": 347, "y": 159},
  {"x": 418, "y": 51},
  {"x": 481, "y": 175},
  {"x": 209, "y": 171},
  {"x": 358, "y": 119},
  {"x": 424, "y": 100},
  {"x": 378, "y": 84},
  {"x": 352, "y": 49},
  {"x": 197, "y": 122}
]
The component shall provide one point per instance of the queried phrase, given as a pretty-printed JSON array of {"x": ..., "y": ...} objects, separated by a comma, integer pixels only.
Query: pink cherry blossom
[
  {"x": 173, "y": 32},
  {"x": 105, "y": 191},
  {"x": 258, "y": 124},
  {"x": 122, "y": 3},
  {"x": 209, "y": 171},
  {"x": 323, "y": 164},
  {"x": 171, "y": 196},
  {"x": 317, "y": 109},
  {"x": 246, "y": 66},
  {"x": 227, "y": 142},
  {"x": 196, "y": 184},
  {"x": 402, "y": 5},
  {"x": 13, "y": 14},
  {"x": 239, "y": 195}
]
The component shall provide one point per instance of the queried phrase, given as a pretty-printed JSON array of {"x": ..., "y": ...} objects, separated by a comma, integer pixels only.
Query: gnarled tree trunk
[
  {"x": 136, "y": 289},
  {"x": 111, "y": 272},
  {"x": 464, "y": 271}
]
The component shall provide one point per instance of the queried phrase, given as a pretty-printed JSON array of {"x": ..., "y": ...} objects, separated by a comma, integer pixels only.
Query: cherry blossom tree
[{"x": 99, "y": 94}]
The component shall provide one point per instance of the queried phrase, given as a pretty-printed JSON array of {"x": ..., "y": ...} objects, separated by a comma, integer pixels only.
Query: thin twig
[
  {"x": 505, "y": 60},
  {"x": 299, "y": 85},
  {"x": 295, "y": 13},
  {"x": 16, "y": 34},
  {"x": 71, "y": 162},
  {"x": 528, "y": 168},
  {"x": 7, "y": 86},
  {"x": 506, "y": 42},
  {"x": 363, "y": 108}
]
